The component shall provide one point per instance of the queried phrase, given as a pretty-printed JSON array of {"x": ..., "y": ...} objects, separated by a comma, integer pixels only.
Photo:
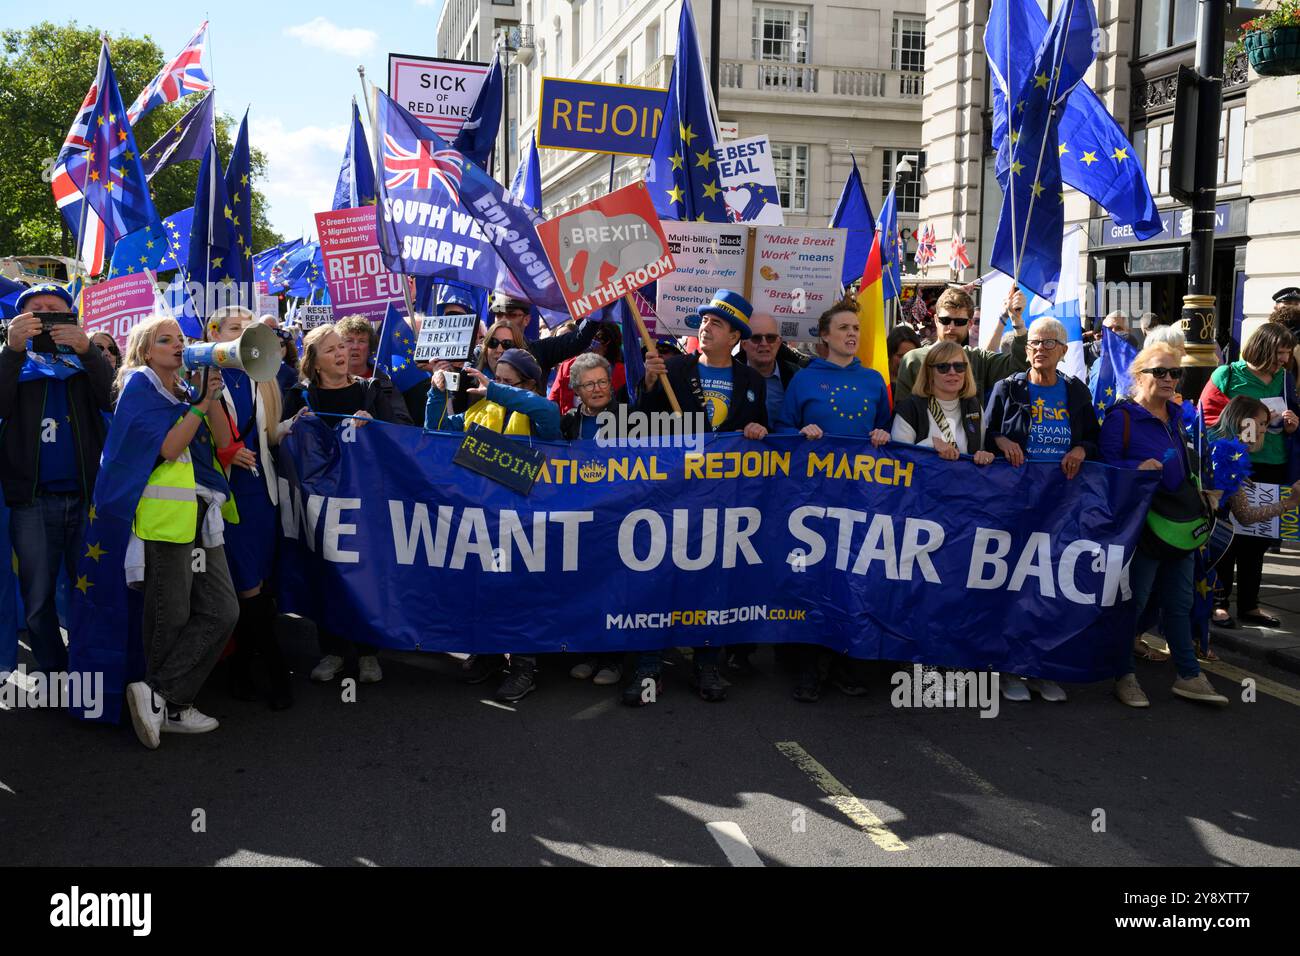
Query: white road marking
[{"x": 734, "y": 843}]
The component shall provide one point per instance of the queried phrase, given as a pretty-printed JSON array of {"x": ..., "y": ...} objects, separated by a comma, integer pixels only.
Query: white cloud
[
  {"x": 325, "y": 35},
  {"x": 302, "y": 169}
]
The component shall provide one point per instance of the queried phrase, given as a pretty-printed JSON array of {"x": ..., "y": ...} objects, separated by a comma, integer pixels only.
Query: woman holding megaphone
[
  {"x": 160, "y": 471},
  {"x": 254, "y": 410}
]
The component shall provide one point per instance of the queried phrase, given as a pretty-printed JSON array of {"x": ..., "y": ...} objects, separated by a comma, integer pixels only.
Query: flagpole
[
  {"x": 1042, "y": 148},
  {"x": 651, "y": 349},
  {"x": 1015, "y": 256},
  {"x": 379, "y": 153}
]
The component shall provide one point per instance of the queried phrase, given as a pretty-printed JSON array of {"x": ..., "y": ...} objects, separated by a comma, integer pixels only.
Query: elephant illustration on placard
[{"x": 595, "y": 248}]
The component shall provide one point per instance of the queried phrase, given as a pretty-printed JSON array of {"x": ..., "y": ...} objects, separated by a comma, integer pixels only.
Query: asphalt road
[{"x": 420, "y": 770}]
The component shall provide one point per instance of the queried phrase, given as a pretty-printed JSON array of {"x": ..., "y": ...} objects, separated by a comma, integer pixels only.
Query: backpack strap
[{"x": 1128, "y": 430}]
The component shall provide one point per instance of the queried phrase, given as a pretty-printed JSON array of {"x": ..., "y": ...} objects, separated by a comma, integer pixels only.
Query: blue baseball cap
[
  {"x": 45, "y": 288},
  {"x": 448, "y": 296}
]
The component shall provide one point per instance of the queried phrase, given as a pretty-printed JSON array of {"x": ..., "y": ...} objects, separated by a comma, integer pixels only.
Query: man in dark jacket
[
  {"x": 52, "y": 431},
  {"x": 721, "y": 394},
  {"x": 549, "y": 352},
  {"x": 729, "y": 394}
]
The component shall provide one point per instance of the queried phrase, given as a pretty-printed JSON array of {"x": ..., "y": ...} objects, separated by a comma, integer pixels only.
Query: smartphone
[{"x": 43, "y": 342}]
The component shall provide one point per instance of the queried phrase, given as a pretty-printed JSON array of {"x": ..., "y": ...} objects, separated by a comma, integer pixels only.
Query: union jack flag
[
  {"x": 958, "y": 259},
  {"x": 93, "y": 245},
  {"x": 927, "y": 247},
  {"x": 182, "y": 76},
  {"x": 419, "y": 167}
]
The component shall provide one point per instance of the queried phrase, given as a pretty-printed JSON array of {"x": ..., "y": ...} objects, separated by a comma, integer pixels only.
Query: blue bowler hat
[
  {"x": 45, "y": 288},
  {"x": 728, "y": 305}
]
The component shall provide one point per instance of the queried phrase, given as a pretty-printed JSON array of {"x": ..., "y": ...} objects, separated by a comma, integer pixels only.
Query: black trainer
[
  {"x": 520, "y": 681},
  {"x": 708, "y": 681},
  {"x": 480, "y": 667},
  {"x": 808, "y": 686},
  {"x": 634, "y": 691}
]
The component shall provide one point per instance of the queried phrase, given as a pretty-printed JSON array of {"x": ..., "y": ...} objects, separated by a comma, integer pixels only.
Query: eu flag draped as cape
[{"x": 104, "y": 635}]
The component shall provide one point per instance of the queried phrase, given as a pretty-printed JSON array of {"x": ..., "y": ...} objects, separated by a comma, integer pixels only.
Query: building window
[
  {"x": 1155, "y": 147},
  {"x": 651, "y": 44},
  {"x": 600, "y": 18},
  {"x": 1165, "y": 23},
  {"x": 909, "y": 184},
  {"x": 791, "y": 162},
  {"x": 620, "y": 69},
  {"x": 781, "y": 34},
  {"x": 576, "y": 32},
  {"x": 559, "y": 51},
  {"x": 909, "y": 44}
]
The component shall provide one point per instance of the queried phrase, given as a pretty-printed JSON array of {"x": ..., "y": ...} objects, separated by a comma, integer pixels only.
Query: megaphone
[{"x": 256, "y": 352}]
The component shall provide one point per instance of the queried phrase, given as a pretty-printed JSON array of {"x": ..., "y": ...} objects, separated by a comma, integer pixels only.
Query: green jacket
[{"x": 989, "y": 368}]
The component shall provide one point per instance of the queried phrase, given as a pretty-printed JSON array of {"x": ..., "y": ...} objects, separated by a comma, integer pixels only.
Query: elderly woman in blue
[
  {"x": 837, "y": 395},
  {"x": 511, "y": 404},
  {"x": 254, "y": 410}
]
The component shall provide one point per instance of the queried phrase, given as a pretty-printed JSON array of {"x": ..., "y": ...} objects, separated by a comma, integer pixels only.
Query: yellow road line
[
  {"x": 842, "y": 798},
  {"x": 1262, "y": 684}
]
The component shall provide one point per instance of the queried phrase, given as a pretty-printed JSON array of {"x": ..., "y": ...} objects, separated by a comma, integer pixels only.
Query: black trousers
[{"x": 1244, "y": 559}]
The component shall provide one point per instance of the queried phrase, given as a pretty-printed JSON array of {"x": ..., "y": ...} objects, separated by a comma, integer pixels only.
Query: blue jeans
[
  {"x": 47, "y": 536},
  {"x": 1170, "y": 581}
]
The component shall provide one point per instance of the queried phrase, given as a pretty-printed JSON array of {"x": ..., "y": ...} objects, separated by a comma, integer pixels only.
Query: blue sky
[{"x": 294, "y": 63}]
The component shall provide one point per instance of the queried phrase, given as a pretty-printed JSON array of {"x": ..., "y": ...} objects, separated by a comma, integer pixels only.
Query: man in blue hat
[
  {"x": 715, "y": 388},
  {"x": 730, "y": 394},
  {"x": 51, "y": 404}
]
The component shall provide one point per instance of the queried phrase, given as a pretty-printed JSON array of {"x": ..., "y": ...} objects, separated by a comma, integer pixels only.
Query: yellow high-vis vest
[
  {"x": 169, "y": 505},
  {"x": 493, "y": 417}
]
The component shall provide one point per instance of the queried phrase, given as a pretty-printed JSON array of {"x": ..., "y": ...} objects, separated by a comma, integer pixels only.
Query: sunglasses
[
  {"x": 495, "y": 343},
  {"x": 1173, "y": 373},
  {"x": 951, "y": 320},
  {"x": 946, "y": 367},
  {"x": 771, "y": 338}
]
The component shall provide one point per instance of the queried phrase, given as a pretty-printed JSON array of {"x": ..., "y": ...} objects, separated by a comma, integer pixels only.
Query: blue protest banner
[
  {"x": 883, "y": 553},
  {"x": 599, "y": 117}
]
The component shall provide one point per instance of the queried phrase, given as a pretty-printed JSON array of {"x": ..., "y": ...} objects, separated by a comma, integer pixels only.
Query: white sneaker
[
  {"x": 607, "y": 675},
  {"x": 582, "y": 670},
  {"x": 369, "y": 671},
  {"x": 147, "y": 713},
  {"x": 1013, "y": 687},
  {"x": 1047, "y": 689},
  {"x": 329, "y": 668},
  {"x": 190, "y": 721}
]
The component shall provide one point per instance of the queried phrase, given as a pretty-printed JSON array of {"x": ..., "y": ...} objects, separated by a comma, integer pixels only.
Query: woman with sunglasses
[
  {"x": 1145, "y": 431},
  {"x": 1258, "y": 375},
  {"x": 1041, "y": 415},
  {"x": 943, "y": 412}
]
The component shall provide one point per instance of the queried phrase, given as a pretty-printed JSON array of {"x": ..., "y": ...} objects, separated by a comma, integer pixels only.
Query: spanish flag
[{"x": 873, "y": 348}]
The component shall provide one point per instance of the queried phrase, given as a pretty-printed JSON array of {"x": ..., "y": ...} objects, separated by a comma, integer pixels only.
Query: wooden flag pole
[{"x": 652, "y": 349}]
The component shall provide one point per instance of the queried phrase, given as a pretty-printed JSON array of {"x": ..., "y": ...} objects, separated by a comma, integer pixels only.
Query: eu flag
[
  {"x": 356, "y": 184},
  {"x": 1096, "y": 157},
  {"x": 164, "y": 245},
  {"x": 683, "y": 174},
  {"x": 1111, "y": 381},
  {"x": 396, "y": 353},
  {"x": 108, "y": 171},
  {"x": 239, "y": 191},
  {"x": 265, "y": 261},
  {"x": 853, "y": 212},
  {"x": 526, "y": 187},
  {"x": 891, "y": 251},
  {"x": 212, "y": 244},
  {"x": 187, "y": 139},
  {"x": 1028, "y": 240},
  {"x": 479, "y": 134}
]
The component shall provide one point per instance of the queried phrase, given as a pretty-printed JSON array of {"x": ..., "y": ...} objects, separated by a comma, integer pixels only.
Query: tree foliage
[{"x": 45, "y": 72}]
